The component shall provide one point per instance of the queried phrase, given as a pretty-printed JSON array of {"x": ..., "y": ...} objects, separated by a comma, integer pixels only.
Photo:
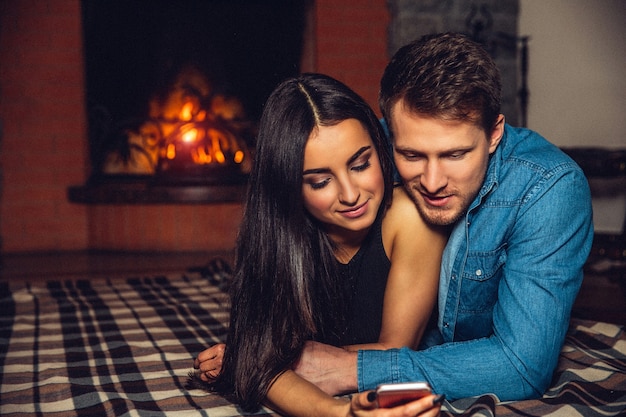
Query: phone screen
[{"x": 392, "y": 395}]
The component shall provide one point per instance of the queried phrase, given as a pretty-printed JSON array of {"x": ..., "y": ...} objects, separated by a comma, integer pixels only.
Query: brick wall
[
  {"x": 168, "y": 227},
  {"x": 351, "y": 38},
  {"x": 42, "y": 142},
  {"x": 43, "y": 145}
]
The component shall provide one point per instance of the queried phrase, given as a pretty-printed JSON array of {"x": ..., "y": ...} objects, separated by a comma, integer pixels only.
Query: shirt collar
[{"x": 494, "y": 166}]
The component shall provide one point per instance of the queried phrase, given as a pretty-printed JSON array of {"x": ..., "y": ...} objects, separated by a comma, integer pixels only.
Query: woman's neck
[{"x": 347, "y": 243}]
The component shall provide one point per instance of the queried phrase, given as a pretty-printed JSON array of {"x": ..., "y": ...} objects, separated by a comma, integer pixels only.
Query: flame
[
  {"x": 189, "y": 136},
  {"x": 201, "y": 156},
  {"x": 170, "y": 152},
  {"x": 213, "y": 146},
  {"x": 192, "y": 125},
  {"x": 186, "y": 112}
]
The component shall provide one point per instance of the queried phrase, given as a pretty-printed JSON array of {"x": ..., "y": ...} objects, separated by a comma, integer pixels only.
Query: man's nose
[{"x": 433, "y": 178}]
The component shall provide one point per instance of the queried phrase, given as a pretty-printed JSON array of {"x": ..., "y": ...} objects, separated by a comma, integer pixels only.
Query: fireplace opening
[{"x": 175, "y": 89}]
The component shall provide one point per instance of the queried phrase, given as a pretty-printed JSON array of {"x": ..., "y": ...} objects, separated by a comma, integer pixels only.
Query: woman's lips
[{"x": 355, "y": 212}]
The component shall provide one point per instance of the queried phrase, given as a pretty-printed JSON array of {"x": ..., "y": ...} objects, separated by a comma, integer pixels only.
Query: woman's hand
[
  {"x": 209, "y": 362},
  {"x": 364, "y": 404},
  {"x": 292, "y": 395}
]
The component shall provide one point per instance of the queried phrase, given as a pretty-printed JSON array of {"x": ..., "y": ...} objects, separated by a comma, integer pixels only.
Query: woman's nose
[{"x": 349, "y": 192}]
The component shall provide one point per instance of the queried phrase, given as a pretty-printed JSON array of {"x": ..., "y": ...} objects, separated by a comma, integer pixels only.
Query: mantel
[{"x": 140, "y": 190}]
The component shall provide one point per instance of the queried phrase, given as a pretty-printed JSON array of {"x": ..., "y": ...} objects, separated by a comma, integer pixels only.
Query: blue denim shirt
[{"x": 510, "y": 273}]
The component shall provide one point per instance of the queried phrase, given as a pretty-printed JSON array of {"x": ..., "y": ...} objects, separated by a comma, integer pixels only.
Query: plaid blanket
[{"x": 125, "y": 347}]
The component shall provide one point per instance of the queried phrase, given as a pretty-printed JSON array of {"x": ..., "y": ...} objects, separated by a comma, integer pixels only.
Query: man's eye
[
  {"x": 457, "y": 155},
  {"x": 411, "y": 156}
]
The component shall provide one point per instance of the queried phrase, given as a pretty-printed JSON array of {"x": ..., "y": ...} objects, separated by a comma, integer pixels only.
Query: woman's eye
[
  {"x": 362, "y": 167},
  {"x": 317, "y": 185}
]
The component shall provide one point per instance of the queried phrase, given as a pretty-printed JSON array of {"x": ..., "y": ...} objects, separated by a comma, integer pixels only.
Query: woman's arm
[
  {"x": 294, "y": 396},
  {"x": 415, "y": 250}
]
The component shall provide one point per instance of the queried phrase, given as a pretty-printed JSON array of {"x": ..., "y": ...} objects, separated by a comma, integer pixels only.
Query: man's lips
[
  {"x": 436, "y": 201},
  {"x": 355, "y": 212}
]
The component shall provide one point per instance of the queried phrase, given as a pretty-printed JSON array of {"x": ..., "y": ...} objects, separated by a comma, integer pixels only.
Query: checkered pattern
[
  {"x": 111, "y": 347},
  {"x": 590, "y": 380}
]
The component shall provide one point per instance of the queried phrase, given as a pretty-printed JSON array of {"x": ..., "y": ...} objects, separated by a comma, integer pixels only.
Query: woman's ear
[{"x": 496, "y": 134}]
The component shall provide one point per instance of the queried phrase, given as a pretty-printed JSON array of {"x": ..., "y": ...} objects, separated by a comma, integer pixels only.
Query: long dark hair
[{"x": 285, "y": 287}]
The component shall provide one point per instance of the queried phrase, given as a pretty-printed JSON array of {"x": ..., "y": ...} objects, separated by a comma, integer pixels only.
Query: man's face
[{"x": 442, "y": 163}]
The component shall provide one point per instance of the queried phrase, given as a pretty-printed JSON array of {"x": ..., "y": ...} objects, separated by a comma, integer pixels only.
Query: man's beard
[{"x": 438, "y": 216}]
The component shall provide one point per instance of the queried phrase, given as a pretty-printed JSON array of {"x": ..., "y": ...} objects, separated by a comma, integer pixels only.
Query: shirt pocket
[{"x": 480, "y": 280}]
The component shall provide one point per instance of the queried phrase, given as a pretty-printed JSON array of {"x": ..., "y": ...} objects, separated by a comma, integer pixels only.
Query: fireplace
[
  {"x": 44, "y": 130},
  {"x": 175, "y": 91}
]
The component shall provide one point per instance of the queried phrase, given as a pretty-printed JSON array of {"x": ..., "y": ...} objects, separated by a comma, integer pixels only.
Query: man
[{"x": 520, "y": 217}]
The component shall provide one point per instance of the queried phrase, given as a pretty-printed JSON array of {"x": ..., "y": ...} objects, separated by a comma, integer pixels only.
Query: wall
[
  {"x": 576, "y": 82},
  {"x": 351, "y": 40},
  {"x": 577, "y": 64},
  {"x": 43, "y": 128},
  {"x": 42, "y": 142},
  {"x": 577, "y": 85}
]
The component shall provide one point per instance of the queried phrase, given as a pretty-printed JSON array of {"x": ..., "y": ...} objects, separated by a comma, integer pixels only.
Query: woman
[{"x": 322, "y": 252}]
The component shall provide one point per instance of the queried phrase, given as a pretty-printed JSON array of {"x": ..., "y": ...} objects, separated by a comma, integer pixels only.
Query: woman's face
[{"x": 343, "y": 183}]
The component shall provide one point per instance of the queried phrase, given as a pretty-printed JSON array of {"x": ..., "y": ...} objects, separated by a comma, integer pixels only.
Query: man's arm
[
  {"x": 530, "y": 318},
  {"x": 540, "y": 279},
  {"x": 332, "y": 369}
]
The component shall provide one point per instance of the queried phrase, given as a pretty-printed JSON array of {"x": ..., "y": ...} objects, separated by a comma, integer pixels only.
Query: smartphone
[{"x": 392, "y": 395}]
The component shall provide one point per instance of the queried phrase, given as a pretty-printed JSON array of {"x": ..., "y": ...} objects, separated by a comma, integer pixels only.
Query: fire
[
  {"x": 205, "y": 136},
  {"x": 204, "y": 143},
  {"x": 193, "y": 129},
  {"x": 186, "y": 112},
  {"x": 170, "y": 151},
  {"x": 189, "y": 136}
]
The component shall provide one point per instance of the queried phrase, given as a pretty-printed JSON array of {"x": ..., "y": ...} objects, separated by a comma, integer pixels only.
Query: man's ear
[{"x": 496, "y": 134}]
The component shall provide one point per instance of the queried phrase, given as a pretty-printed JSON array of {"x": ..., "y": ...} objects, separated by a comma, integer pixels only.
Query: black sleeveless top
[{"x": 365, "y": 279}]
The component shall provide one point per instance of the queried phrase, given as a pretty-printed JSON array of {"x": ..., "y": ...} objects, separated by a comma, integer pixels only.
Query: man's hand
[
  {"x": 209, "y": 362},
  {"x": 331, "y": 368}
]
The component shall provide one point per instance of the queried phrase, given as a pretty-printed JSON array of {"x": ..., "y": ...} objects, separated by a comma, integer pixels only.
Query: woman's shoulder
[
  {"x": 402, "y": 204},
  {"x": 403, "y": 216},
  {"x": 404, "y": 230},
  {"x": 402, "y": 212}
]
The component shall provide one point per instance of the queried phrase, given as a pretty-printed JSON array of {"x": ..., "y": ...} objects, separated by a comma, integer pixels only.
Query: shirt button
[
  {"x": 479, "y": 272},
  {"x": 445, "y": 325},
  {"x": 453, "y": 277}
]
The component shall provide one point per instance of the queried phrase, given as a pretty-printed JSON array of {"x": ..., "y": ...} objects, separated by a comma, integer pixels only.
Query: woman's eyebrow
[
  {"x": 357, "y": 154},
  {"x": 316, "y": 171},
  {"x": 350, "y": 160}
]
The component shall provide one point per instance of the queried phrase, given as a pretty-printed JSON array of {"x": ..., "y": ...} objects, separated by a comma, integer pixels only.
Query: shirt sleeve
[
  {"x": 546, "y": 250},
  {"x": 457, "y": 369}
]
